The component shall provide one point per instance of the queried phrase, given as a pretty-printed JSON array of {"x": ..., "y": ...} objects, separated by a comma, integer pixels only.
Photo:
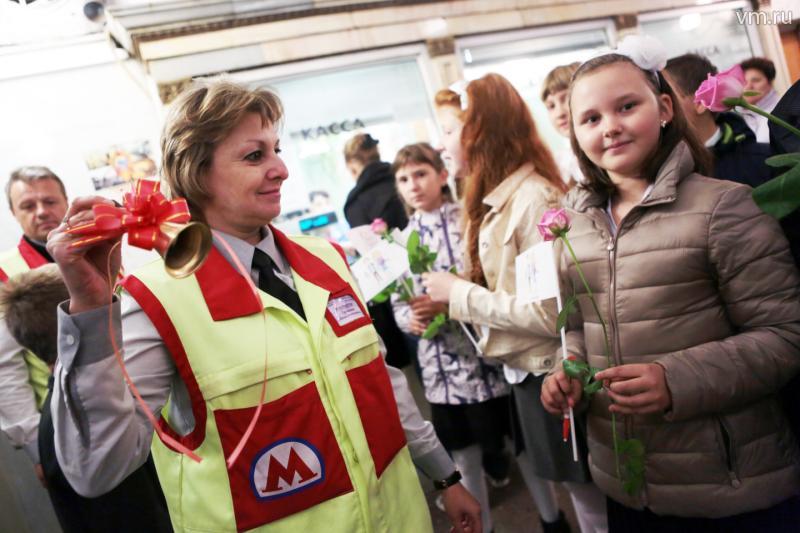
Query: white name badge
[{"x": 345, "y": 309}]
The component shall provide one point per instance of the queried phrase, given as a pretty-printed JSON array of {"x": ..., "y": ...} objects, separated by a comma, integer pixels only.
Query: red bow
[{"x": 144, "y": 210}]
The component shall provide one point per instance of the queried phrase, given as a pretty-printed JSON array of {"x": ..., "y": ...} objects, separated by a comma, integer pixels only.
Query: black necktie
[{"x": 270, "y": 283}]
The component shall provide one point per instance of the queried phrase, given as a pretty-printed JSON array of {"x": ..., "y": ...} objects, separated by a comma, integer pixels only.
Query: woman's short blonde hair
[{"x": 201, "y": 117}]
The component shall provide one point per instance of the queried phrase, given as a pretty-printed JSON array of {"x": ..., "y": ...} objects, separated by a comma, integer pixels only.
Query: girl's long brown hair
[
  {"x": 675, "y": 131},
  {"x": 498, "y": 137}
]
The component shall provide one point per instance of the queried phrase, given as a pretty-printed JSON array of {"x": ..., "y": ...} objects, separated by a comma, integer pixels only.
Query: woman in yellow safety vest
[{"x": 333, "y": 444}]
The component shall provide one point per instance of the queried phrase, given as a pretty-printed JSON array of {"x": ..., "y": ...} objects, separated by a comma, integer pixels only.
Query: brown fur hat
[{"x": 29, "y": 302}]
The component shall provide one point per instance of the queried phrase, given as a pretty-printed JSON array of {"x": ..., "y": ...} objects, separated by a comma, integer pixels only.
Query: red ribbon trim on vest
[
  {"x": 29, "y": 254},
  {"x": 144, "y": 210},
  {"x": 166, "y": 330}
]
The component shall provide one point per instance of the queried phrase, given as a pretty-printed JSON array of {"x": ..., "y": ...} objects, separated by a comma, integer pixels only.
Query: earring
[{"x": 663, "y": 124}]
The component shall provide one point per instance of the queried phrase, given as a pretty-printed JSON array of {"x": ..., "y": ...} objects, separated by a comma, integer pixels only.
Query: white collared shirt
[{"x": 714, "y": 139}]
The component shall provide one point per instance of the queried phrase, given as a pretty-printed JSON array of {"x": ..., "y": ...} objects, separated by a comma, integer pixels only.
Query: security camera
[{"x": 94, "y": 11}]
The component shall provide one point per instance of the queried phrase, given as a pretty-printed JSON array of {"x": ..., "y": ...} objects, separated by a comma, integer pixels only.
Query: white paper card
[
  {"x": 363, "y": 239},
  {"x": 380, "y": 266},
  {"x": 401, "y": 236},
  {"x": 537, "y": 277},
  {"x": 345, "y": 309}
]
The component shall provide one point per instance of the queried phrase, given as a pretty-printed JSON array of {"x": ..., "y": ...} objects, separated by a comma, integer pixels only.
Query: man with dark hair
[
  {"x": 759, "y": 73},
  {"x": 737, "y": 155}
]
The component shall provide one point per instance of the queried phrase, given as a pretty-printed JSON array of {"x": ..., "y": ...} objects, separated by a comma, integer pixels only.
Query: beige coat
[
  {"x": 701, "y": 281},
  {"x": 520, "y": 334}
]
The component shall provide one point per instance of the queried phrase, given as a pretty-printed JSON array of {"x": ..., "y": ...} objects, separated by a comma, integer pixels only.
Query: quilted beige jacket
[
  {"x": 699, "y": 280},
  {"x": 522, "y": 335}
]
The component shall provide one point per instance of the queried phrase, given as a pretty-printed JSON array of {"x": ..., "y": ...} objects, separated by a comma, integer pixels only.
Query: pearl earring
[{"x": 663, "y": 124}]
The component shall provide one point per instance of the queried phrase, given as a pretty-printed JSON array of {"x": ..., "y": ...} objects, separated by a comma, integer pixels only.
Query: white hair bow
[{"x": 647, "y": 52}]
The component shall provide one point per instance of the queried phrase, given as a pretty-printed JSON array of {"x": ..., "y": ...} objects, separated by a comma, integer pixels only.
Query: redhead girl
[
  {"x": 701, "y": 299},
  {"x": 510, "y": 178}
]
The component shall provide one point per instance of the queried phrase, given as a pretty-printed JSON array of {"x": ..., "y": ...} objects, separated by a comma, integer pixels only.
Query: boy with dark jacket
[{"x": 737, "y": 155}]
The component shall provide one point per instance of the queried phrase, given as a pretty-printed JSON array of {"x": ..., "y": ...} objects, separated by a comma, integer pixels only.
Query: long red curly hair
[{"x": 498, "y": 137}]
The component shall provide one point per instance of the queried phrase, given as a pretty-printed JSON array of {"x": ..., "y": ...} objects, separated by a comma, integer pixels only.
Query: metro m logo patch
[{"x": 285, "y": 467}]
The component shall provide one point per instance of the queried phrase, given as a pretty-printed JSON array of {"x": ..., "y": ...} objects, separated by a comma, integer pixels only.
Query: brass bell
[{"x": 186, "y": 247}]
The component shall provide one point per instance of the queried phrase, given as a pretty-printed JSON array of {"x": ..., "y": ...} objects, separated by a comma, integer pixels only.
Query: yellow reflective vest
[
  {"x": 328, "y": 452},
  {"x": 12, "y": 262}
]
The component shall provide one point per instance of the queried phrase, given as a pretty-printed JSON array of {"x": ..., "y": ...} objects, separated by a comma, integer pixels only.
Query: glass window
[
  {"x": 324, "y": 109},
  {"x": 718, "y": 35},
  {"x": 526, "y": 61}
]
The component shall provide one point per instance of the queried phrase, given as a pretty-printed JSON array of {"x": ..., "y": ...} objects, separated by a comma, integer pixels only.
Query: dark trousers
[
  {"x": 136, "y": 505},
  {"x": 784, "y": 517}
]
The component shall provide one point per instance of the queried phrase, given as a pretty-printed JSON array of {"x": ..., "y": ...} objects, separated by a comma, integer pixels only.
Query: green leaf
[
  {"x": 575, "y": 369},
  {"x": 751, "y": 93},
  {"x": 412, "y": 244},
  {"x": 385, "y": 294},
  {"x": 632, "y": 458},
  {"x": 779, "y": 196},
  {"x": 430, "y": 259},
  {"x": 727, "y": 133},
  {"x": 783, "y": 160},
  {"x": 592, "y": 388},
  {"x": 453, "y": 270},
  {"x": 381, "y": 297},
  {"x": 433, "y": 328},
  {"x": 570, "y": 306},
  {"x": 415, "y": 265}
]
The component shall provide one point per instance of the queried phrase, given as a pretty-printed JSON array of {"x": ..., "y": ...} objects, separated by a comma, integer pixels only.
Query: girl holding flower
[
  {"x": 491, "y": 141},
  {"x": 468, "y": 395},
  {"x": 700, "y": 298}
]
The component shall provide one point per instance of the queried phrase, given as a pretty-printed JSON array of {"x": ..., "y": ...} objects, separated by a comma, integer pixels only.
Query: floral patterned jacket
[{"x": 452, "y": 371}]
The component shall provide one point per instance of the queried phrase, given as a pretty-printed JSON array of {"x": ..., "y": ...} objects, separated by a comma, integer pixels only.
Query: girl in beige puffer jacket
[{"x": 701, "y": 298}]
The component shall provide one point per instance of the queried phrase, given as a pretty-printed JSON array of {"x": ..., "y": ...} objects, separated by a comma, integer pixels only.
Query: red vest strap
[
  {"x": 33, "y": 258},
  {"x": 166, "y": 329},
  {"x": 307, "y": 265},
  {"x": 338, "y": 248}
]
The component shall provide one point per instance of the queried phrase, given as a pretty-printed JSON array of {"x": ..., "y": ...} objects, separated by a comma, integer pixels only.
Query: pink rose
[
  {"x": 727, "y": 84},
  {"x": 379, "y": 226},
  {"x": 554, "y": 224}
]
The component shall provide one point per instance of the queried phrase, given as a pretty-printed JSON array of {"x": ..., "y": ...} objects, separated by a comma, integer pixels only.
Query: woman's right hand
[
  {"x": 560, "y": 392},
  {"x": 85, "y": 269}
]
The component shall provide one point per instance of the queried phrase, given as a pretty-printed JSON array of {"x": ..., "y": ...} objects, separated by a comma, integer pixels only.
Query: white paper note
[
  {"x": 537, "y": 277},
  {"x": 363, "y": 239},
  {"x": 378, "y": 267}
]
